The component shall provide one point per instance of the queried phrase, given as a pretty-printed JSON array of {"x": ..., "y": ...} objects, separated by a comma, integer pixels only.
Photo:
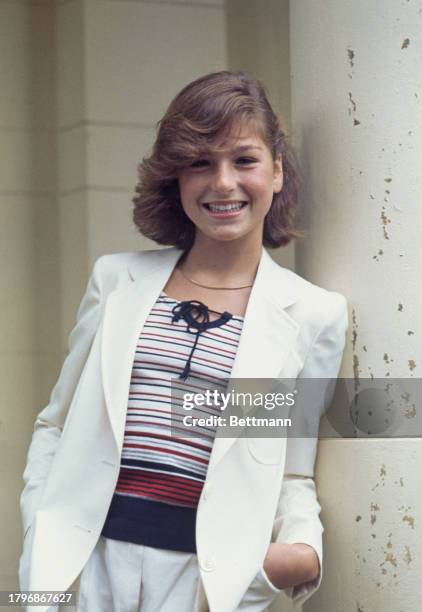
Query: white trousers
[{"x": 124, "y": 577}]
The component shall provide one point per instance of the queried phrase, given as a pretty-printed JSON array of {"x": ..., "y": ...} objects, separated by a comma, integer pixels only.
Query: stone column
[{"x": 357, "y": 115}]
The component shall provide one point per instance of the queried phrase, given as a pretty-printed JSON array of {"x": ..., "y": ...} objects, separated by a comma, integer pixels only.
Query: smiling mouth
[{"x": 224, "y": 208}]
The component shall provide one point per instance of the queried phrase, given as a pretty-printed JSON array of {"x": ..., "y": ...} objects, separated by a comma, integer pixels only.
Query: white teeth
[{"x": 225, "y": 207}]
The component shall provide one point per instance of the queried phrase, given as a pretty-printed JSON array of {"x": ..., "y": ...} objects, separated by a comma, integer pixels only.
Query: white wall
[{"x": 28, "y": 248}]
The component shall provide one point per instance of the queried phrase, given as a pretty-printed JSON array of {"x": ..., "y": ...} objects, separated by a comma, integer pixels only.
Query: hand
[{"x": 288, "y": 565}]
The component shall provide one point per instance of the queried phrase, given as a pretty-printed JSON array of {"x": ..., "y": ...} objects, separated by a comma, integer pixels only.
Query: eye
[
  {"x": 199, "y": 163},
  {"x": 244, "y": 161}
]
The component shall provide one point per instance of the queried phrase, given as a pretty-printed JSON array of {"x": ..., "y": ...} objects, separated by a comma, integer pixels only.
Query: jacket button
[{"x": 208, "y": 564}]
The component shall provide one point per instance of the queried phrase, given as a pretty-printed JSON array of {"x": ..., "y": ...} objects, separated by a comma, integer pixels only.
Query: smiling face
[{"x": 227, "y": 191}]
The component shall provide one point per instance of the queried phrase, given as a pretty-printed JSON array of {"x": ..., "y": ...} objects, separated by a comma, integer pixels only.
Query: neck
[{"x": 223, "y": 262}]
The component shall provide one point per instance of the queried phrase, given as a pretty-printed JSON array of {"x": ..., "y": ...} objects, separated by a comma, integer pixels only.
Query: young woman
[{"x": 154, "y": 519}]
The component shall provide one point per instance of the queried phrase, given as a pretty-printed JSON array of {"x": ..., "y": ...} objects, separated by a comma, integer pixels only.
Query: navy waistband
[{"x": 151, "y": 523}]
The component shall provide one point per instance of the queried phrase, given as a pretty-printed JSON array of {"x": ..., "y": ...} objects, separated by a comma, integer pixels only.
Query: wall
[{"x": 29, "y": 312}]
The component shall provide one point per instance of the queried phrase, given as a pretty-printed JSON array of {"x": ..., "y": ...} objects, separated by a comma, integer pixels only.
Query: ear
[{"x": 278, "y": 175}]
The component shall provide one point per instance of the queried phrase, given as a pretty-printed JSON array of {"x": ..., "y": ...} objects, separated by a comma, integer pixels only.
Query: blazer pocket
[{"x": 268, "y": 451}]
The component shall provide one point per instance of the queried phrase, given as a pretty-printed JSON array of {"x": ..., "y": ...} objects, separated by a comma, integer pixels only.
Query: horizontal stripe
[{"x": 162, "y": 462}]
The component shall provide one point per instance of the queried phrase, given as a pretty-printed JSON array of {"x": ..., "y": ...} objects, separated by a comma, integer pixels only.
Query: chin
[
  {"x": 226, "y": 234},
  {"x": 226, "y": 237}
]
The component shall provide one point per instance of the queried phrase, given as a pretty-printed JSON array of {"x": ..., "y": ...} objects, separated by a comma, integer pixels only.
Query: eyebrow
[
  {"x": 236, "y": 150},
  {"x": 248, "y": 148}
]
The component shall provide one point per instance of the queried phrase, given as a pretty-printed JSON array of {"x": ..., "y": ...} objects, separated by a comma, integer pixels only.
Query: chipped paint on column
[
  {"x": 357, "y": 124},
  {"x": 372, "y": 519}
]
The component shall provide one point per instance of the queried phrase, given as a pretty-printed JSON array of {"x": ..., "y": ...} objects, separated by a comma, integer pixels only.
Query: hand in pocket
[{"x": 288, "y": 565}]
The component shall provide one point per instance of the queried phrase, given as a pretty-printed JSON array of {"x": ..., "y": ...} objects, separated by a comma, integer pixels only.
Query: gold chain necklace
[{"x": 208, "y": 287}]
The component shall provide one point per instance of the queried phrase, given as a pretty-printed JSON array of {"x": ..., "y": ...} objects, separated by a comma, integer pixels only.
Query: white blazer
[{"x": 291, "y": 329}]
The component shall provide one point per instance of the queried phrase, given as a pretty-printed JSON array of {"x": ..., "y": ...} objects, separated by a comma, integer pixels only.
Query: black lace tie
[{"x": 197, "y": 316}]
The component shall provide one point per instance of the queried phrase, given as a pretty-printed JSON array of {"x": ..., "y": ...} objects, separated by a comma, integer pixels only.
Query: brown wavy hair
[{"x": 212, "y": 105}]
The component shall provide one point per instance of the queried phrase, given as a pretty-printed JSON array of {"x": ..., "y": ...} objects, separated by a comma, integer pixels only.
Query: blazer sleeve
[
  {"x": 297, "y": 517},
  {"x": 50, "y": 421}
]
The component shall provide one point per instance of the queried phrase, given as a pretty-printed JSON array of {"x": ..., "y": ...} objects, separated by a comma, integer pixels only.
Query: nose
[{"x": 224, "y": 178}]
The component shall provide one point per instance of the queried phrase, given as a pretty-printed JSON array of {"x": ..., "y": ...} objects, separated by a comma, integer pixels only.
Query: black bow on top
[{"x": 197, "y": 316}]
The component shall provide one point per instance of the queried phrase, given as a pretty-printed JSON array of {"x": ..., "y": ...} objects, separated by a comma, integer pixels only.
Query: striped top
[{"x": 163, "y": 465}]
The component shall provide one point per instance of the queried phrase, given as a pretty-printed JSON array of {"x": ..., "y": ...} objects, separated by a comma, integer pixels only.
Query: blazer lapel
[
  {"x": 267, "y": 338},
  {"x": 268, "y": 333},
  {"x": 125, "y": 313}
]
